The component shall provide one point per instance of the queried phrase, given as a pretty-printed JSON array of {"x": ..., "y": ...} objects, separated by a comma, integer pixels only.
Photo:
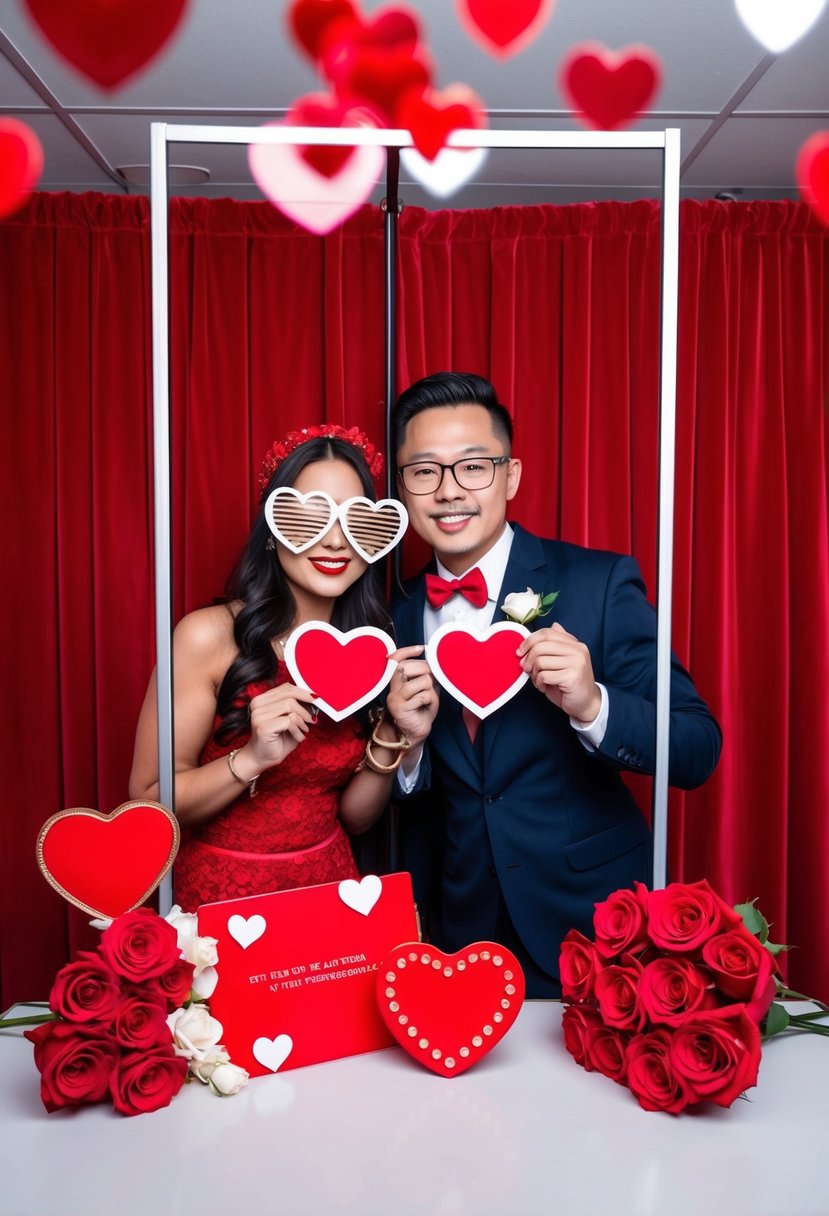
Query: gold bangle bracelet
[
  {"x": 252, "y": 784},
  {"x": 377, "y": 718},
  {"x": 368, "y": 761}
]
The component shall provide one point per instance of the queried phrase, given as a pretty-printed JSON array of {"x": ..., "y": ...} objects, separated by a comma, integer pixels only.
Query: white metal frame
[{"x": 667, "y": 141}]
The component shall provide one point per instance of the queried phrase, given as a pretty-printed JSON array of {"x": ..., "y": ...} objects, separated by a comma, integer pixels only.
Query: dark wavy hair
[
  {"x": 449, "y": 388},
  {"x": 268, "y": 606}
]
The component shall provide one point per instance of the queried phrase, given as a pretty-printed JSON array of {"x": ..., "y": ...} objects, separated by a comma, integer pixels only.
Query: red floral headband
[{"x": 294, "y": 439}]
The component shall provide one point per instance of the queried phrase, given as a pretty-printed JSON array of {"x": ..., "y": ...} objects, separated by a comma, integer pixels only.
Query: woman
[{"x": 264, "y": 784}]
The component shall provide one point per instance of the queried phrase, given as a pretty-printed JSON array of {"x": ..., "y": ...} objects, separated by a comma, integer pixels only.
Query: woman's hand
[
  {"x": 412, "y": 699},
  {"x": 279, "y": 720}
]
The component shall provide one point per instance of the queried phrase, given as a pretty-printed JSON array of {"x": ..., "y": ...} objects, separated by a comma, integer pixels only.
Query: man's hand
[{"x": 559, "y": 665}]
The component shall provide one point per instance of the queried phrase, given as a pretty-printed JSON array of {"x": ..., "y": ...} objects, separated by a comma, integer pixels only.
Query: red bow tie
[{"x": 472, "y": 586}]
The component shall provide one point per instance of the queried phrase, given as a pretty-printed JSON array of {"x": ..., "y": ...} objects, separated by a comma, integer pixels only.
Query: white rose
[
  {"x": 522, "y": 606},
  {"x": 227, "y": 1079},
  {"x": 204, "y": 983},
  {"x": 201, "y": 1069},
  {"x": 194, "y": 1032},
  {"x": 200, "y": 951},
  {"x": 186, "y": 924}
]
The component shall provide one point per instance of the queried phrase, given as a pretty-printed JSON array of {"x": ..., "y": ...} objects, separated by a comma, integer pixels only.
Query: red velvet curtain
[{"x": 272, "y": 328}]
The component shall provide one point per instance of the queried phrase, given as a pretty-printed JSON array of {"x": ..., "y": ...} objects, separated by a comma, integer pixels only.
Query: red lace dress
[{"x": 289, "y": 835}]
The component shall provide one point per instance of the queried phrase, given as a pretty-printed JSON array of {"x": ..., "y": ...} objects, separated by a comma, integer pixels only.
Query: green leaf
[
  {"x": 777, "y": 1019},
  {"x": 548, "y": 600},
  {"x": 754, "y": 920},
  {"x": 774, "y": 948}
]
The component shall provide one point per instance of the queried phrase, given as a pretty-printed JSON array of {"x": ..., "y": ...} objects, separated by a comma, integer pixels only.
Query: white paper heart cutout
[
  {"x": 272, "y": 1053},
  {"x": 451, "y": 168},
  {"x": 345, "y": 670},
  {"x": 246, "y": 931},
  {"x": 317, "y": 202},
  {"x": 778, "y": 24},
  {"x": 478, "y": 667},
  {"x": 361, "y": 896}
]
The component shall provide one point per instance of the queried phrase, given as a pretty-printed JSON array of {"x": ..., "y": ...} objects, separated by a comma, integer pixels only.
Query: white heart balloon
[
  {"x": 272, "y": 1053},
  {"x": 317, "y": 202},
  {"x": 361, "y": 896},
  {"x": 246, "y": 932},
  {"x": 779, "y": 23},
  {"x": 451, "y": 168}
]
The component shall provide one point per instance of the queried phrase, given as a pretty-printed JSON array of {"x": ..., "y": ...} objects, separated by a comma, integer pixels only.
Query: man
[{"x": 527, "y": 822}]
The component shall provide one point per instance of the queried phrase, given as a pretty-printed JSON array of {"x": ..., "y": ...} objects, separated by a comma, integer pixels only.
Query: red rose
[
  {"x": 685, "y": 915},
  {"x": 140, "y": 945},
  {"x": 147, "y": 1080},
  {"x": 605, "y": 1049},
  {"x": 578, "y": 964},
  {"x": 74, "y": 1062},
  {"x": 174, "y": 985},
  {"x": 575, "y": 1022},
  {"x": 85, "y": 990},
  {"x": 616, "y": 989},
  {"x": 671, "y": 987},
  {"x": 743, "y": 968},
  {"x": 651, "y": 1076},
  {"x": 141, "y": 1021},
  {"x": 717, "y": 1054},
  {"x": 621, "y": 922}
]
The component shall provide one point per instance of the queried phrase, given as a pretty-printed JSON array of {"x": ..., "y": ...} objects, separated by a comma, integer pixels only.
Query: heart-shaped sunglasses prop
[
  {"x": 449, "y": 1010},
  {"x": 345, "y": 670},
  {"x": 108, "y": 864},
  {"x": 478, "y": 667},
  {"x": 298, "y": 521}
]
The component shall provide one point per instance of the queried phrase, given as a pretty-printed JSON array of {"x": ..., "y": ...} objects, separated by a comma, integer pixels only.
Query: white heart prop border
[
  {"x": 272, "y": 1053},
  {"x": 481, "y": 635},
  {"x": 361, "y": 631},
  {"x": 246, "y": 931},
  {"x": 776, "y": 25},
  {"x": 451, "y": 169},
  {"x": 361, "y": 896},
  {"x": 375, "y": 507},
  {"x": 316, "y": 202},
  {"x": 289, "y": 492}
]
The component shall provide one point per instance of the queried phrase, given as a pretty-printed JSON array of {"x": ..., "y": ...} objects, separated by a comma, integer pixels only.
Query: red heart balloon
[
  {"x": 609, "y": 88},
  {"x": 812, "y": 173},
  {"x": 449, "y": 1010},
  {"x": 502, "y": 28},
  {"x": 432, "y": 116},
  {"x": 310, "y": 22},
  {"x": 108, "y": 864},
  {"x": 345, "y": 670},
  {"x": 107, "y": 40},
  {"x": 21, "y": 163},
  {"x": 479, "y": 667},
  {"x": 380, "y": 79},
  {"x": 322, "y": 110}
]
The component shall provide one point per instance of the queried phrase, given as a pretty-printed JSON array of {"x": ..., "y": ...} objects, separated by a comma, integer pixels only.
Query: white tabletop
[{"x": 527, "y": 1131}]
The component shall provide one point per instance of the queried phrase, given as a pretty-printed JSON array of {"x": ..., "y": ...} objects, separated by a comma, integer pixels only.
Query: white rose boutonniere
[{"x": 526, "y": 606}]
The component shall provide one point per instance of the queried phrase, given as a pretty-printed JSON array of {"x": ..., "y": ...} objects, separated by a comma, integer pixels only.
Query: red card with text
[{"x": 297, "y": 969}]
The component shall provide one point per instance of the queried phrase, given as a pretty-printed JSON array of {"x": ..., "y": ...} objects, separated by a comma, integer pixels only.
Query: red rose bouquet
[
  {"x": 126, "y": 1022},
  {"x": 674, "y": 995}
]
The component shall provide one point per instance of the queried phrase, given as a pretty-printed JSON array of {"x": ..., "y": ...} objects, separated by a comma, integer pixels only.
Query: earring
[{"x": 270, "y": 543}]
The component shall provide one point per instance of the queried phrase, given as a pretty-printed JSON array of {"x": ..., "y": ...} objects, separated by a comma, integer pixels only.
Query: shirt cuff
[
  {"x": 407, "y": 781},
  {"x": 591, "y": 733}
]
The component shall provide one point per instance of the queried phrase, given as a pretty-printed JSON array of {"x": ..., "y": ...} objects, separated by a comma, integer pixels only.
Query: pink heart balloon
[{"x": 313, "y": 200}]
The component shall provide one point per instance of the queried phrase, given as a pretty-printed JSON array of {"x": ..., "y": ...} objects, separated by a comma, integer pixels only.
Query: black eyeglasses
[{"x": 471, "y": 473}]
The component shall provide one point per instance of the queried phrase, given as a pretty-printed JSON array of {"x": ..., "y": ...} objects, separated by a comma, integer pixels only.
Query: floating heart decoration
[
  {"x": 311, "y": 199},
  {"x": 777, "y": 25},
  {"x": 478, "y": 667},
  {"x": 107, "y": 40},
  {"x": 21, "y": 164},
  {"x": 272, "y": 1053},
  {"x": 108, "y": 864},
  {"x": 812, "y": 173},
  {"x": 389, "y": 31},
  {"x": 502, "y": 28},
  {"x": 431, "y": 116},
  {"x": 321, "y": 110},
  {"x": 311, "y": 20},
  {"x": 449, "y": 1010},
  {"x": 298, "y": 521},
  {"x": 451, "y": 169},
  {"x": 248, "y": 930},
  {"x": 345, "y": 670},
  {"x": 361, "y": 896},
  {"x": 609, "y": 88},
  {"x": 381, "y": 78}
]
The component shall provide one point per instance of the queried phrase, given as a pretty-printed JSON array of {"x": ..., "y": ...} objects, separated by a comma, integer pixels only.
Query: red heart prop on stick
[
  {"x": 345, "y": 670},
  {"x": 503, "y": 28},
  {"x": 449, "y": 1010},
  {"x": 479, "y": 667},
  {"x": 608, "y": 89},
  {"x": 21, "y": 164},
  {"x": 432, "y": 116},
  {"x": 813, "y": 173},
  {"x": 108, "y": 864},
  {"x": 311, "y": 20},
  {"x": 107, "y": 40}
]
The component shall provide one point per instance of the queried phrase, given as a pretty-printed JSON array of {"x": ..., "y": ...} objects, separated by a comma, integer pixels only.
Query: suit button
[
  {"x": 620, "y": 753},
  {"x": 489, "y": 800}
]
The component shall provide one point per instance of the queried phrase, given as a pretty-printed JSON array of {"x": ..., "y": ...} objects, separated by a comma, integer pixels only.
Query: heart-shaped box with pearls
[{"x": 449, "y": 1010}]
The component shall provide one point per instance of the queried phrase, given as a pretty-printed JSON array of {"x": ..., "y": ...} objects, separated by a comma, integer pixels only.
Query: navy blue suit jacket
[{"x": 527, "y": 813}]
